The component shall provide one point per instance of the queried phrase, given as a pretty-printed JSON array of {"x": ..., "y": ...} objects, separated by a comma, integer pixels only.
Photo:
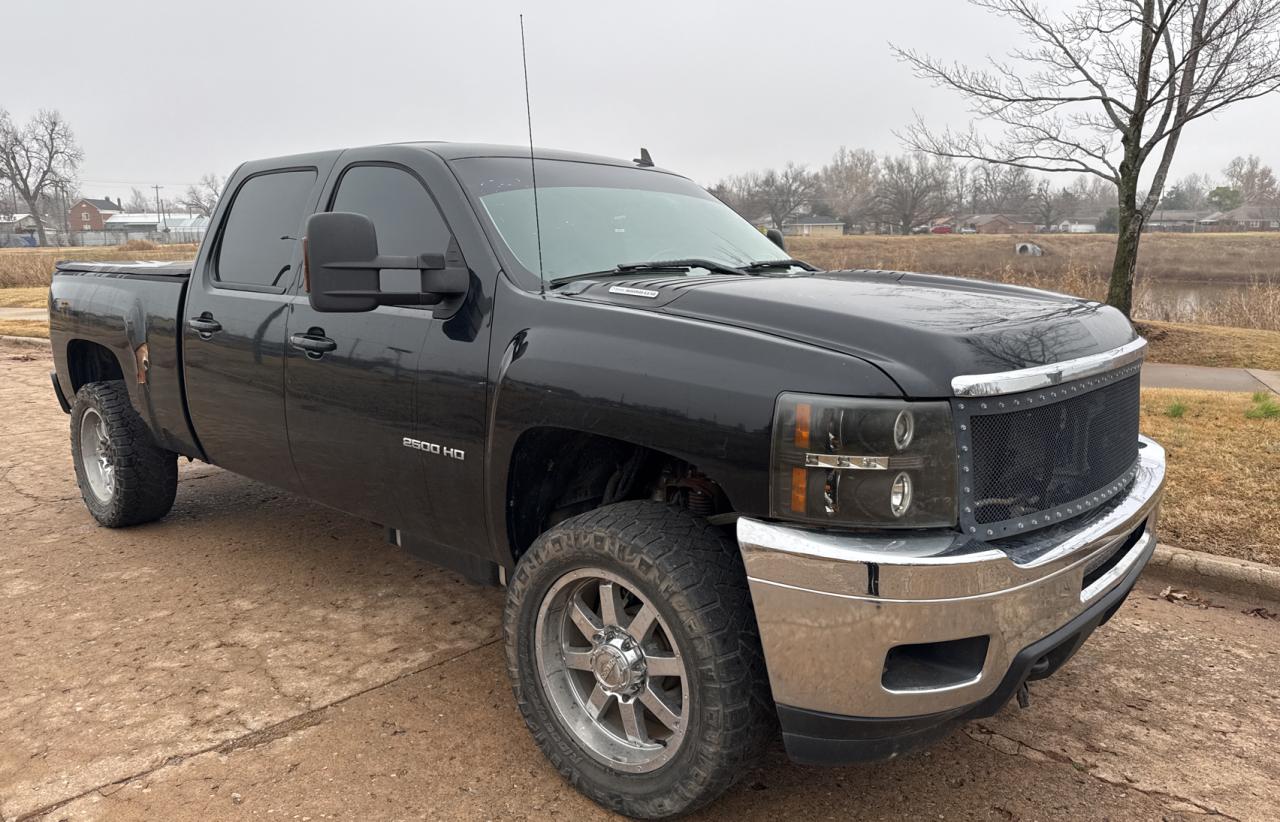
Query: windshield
[{"x": 596, "y": 217}]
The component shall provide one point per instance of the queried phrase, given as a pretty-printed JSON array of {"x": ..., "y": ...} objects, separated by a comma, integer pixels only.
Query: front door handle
[
  {"x": 205, "y": 325},
  {"x": 314, "y": 342}
]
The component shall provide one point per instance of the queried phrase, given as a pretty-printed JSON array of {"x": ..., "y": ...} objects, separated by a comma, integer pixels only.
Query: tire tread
[
  {"x": 146, "y": 475},
  {"x": 699, "y": 571}
]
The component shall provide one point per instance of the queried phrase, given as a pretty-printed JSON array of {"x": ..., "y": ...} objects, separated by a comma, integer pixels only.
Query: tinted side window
[
  {"x": 407, "y": 220},
  {"x": 403, "y": 214},
  {"x": 257, "y": 244}
]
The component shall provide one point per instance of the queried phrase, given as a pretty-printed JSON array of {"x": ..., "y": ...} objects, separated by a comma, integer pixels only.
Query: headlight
[{"x": 874, "y": 463}]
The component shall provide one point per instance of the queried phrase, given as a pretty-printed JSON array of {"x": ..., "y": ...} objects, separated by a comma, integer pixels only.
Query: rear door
[{"x": 233, "y": 339}]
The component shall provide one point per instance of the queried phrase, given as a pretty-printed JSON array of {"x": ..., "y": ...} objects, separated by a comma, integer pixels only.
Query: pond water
[{"x": 1203, "y": 302}]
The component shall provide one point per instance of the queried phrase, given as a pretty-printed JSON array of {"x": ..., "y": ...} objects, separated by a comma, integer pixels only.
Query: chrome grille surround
[
  {"x": 1056, "y": 466},
  {"x": 1044, "y": 376}
]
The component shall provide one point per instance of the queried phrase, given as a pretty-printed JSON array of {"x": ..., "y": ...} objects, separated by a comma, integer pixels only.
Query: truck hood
[{"x": 920, "y": 329}]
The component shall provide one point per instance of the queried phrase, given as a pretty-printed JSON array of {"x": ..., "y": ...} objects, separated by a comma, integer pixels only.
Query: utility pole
[{"x": 157, "y": 188}]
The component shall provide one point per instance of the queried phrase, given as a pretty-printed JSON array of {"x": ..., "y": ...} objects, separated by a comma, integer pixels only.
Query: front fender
[{"x": 701, "y": 392}]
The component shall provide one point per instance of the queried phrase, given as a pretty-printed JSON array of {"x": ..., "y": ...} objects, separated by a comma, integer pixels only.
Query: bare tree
[
  {"x": 848, "y": 183},
  {"x": 138, "y": 202},
  {"x": 37, "y": 157},
  {"x": 912, "y": 190},
  {"x": 1190, "y": 193},
  {"x": 1104, "y": 88},
  {"x": 1048, "y": 204},
  {"x": 8, "y": 198},
  {"x": 781, "y": 193},
  {"x": 1255, "y": 182},
  {"x": 1002, "y": 189},
  {"x": 741, "y": 193},
  {"x": 962, "y": 197},
  {"x": 203, "y": 198}
]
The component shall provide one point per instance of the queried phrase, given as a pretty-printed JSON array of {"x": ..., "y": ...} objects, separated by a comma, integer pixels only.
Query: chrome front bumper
[{"x": 831, "y": 606}]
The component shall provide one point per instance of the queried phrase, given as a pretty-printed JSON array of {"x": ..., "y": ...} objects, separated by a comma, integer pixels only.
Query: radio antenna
[{"x": 533, "y": 166}]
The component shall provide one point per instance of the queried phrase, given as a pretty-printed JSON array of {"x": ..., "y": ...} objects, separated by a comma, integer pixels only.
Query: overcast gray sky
[{"x": 162, "y": 93}]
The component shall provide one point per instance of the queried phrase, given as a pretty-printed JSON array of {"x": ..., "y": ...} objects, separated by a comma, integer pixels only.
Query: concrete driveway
[{"x": 257, "y": 656}]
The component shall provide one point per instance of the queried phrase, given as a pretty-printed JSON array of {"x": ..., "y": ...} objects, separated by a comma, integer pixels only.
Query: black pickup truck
[{"x": 725, "y": 491}]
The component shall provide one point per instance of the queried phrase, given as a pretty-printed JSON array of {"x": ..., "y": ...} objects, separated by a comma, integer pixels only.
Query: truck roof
[{"x": 457, "y": 151}]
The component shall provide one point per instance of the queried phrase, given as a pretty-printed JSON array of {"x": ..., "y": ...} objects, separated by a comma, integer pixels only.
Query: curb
[
  {"x": 30, "y": 342},
  {"x": 1223, "y": 574}
]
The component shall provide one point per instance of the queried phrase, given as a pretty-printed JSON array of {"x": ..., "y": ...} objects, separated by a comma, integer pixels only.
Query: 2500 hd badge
[{"x": 434, "y": 448}]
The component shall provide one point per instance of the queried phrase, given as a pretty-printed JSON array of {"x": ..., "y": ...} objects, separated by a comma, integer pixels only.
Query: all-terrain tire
[
  {"x": 144, "y": 475},
  {"x": 693, "y": 575}
]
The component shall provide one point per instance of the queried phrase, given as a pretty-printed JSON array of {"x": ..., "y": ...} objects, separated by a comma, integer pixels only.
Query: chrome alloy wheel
[
  {"x": 95, "y": 455},
  {"x": 612, "y": 670}
]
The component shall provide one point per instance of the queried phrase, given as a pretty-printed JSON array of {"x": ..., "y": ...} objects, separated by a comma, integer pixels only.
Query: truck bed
[
  {"x": 179, "y": 270},
  {"x": 133, "y": 311}
]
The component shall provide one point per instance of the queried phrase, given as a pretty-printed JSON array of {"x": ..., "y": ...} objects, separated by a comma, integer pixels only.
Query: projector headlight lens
[{"x": 863, "y": 462}]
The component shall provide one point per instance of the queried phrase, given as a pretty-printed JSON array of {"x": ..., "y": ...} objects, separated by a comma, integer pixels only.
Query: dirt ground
[{"x": 257, "y": 656}]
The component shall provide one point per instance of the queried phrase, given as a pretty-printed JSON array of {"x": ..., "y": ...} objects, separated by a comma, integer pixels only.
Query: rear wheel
[
  {"x": 633, "y": 653},
  {"x": 124, "y": 477}
]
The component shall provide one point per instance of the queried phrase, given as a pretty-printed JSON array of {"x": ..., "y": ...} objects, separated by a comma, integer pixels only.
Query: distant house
[
  {"x": 813, "y": 225},
  {"x": 89, "y": 214},
  {"x": 19, "y": 224},
  {"x": 1075, "y": 225},
  {"x": 998, "y": 224},
  {"x": 1174, "y": 219},
  {"x": 1248, "y": 218}
]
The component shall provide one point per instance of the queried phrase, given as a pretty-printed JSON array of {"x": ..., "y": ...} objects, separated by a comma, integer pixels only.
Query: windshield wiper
[
  {"x": 765, "y": 265},
  {"x": 656, "y": 265},
  {"x": 676, "y": 265}
]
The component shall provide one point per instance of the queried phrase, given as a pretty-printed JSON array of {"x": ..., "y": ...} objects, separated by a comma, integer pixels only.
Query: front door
[
  {"x": 351, "y": 410},
  {"x": 233, "y": 336}
]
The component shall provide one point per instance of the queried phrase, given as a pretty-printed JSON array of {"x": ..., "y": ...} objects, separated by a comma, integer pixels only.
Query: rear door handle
[
  {"x": 313, "y": 343},
  {"x": 205, "y": 325}
]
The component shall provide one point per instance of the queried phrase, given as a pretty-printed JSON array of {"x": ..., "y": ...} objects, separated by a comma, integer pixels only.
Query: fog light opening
[{"x": 933, "y": 665}]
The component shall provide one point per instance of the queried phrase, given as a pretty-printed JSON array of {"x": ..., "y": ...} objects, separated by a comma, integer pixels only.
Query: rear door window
[{"x": 260, "y": 236}]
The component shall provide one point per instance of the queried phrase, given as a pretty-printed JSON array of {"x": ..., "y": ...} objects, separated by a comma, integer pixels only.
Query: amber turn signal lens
[
  {"x": 803, "y": 412},
  {"x": 799, "y": 490}
]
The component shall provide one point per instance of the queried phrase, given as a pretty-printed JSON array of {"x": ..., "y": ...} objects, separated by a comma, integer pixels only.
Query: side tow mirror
[
  {"x": 343, "y": 269},
  {"x": 778, "y": 240}
]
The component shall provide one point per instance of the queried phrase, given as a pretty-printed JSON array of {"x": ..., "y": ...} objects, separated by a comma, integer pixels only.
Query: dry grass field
[
  {"x": 1248, "y": 265},
  {"x": 34, "y": 266},
  {"x": 24, "y": 328},
  {"x": 35, "y": 296},
  {"x": 1211, "y": 345},
  {"x": 1217, "y": 258},
  {"x": 1224, "y": 457}
]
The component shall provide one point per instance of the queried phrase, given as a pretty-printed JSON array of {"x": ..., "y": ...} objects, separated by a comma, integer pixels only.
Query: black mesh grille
[{"x": 1043, "y": 457}]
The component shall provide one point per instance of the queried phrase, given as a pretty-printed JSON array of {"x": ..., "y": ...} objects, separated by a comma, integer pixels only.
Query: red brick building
[{"x": 91, "y": 215}]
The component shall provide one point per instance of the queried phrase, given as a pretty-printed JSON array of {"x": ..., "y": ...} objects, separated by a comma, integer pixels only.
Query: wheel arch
[
  {"x": 556, "y": 472},
  {"x": 89, "y": 361}
]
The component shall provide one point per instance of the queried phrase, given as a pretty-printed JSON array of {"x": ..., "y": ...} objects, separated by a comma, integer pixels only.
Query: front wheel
[{"x": 634, "y": 657}]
